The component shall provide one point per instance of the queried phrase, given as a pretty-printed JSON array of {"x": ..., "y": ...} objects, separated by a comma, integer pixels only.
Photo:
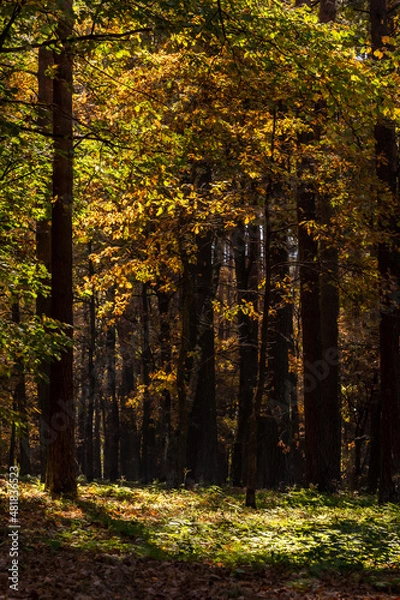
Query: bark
[
  {"x": 247, "y": 277},
  {"x": 111, "y": 412},
  {"x": 181, "y": 378},
  {"x": 148, "y": 430},
  {"x": 251, "y": 481},
  {"x": 331, "y": 410},
  {"x": 130, "y": 440},
  {"x": 43, "y": 253},
  {"x": 389, "y": 270},
  {"x": 61, "y": 475},
  {"x": 311, "y": 327},
  {"x": 24, "y": 454},
  {"x": 202, "y": 455},
  {"x": 327, "y": 11},
  {"x": 88, "y": 460},
  {"x": 97, "y": 466},
  {"x": 389, "y": 329},
  {"x": 197, "y": 341},
  {"x": 165, "y": 426},
  {"x": 277, "y": 432}
]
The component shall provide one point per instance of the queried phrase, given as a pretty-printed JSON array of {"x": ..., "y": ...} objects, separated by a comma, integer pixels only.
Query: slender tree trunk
[
  {"x": 262, "y": 371},
  {"x": 277, "y": 430},
  {"x": 329, "y": 323},
  {"x": 389, "y": 270},
  {"x": 61, "y": 475},
  {"x": 130, "y": 439},
  {"x": 148, "y": 431},
  {"x": 319, "y": 313},
  {"x": 247, "y": 276},
  {"x": 97, "y": 463},
  {"x": 165, "y": 426},
  {"x": 202, "y": 453},
  {"x": 311, "y": 325},
  {"x": 43, "y": 253},
  {"x": 375, "y": 441},
  {"x": 331, "y": 408},
  {"x": 13, "y": 437},
  {"x": 181, "y": 378},
  {"x": 111, "y": 412},
  {"x": 81, "y": 409},
  {"x": 24, "y": 457},
  {"x": 91, "y": 378}
]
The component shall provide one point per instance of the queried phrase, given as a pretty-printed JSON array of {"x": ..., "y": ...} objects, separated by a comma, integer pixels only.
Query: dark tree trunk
[
  {"x": 97, "y": 465},
  {"x": 277, "y": 431},
  {"x": 247, "y": 276},
  {"x": 196, "y": 334},
  {"x": 202, "y": 453},
  {"x": 389, "y": 329},
  {"x": 251, "y": 480},
  {"x": 311, "y": 327},
  {"x": 331, "y": 410},
  {"x": 130, "y": 439},
  {"x": 82, "y": 395},
  {"x": 148, "y": 430},
  {"x": 375, "y": 441},
  {"x": 61, "y": 475},
  {"x": 24, "y": 457},
  {"x": 182, "y": 370},
  {"x": 43, "y": 253},
  {"x": 389, "y": 270},
  {"x": 319, "y": 312},
  {"x": 111, "y": 412},
  {"x": 13, "y": 437},
  {"x": 91, "y": 379},
  {"x": 165, "y": 426}
]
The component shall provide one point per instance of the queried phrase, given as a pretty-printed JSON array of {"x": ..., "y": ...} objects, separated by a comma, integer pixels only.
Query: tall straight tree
[
  {"x": 61, "y": 475},
  {"x": 389, "y": 270},
  {"x": 329, "y": 299},
  {"x": 43, "y": 248},
  {"x": 247, "y": 255},
  {"x": 319, "y": 314}
]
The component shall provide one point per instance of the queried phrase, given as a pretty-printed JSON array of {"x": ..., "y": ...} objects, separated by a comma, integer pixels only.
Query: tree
[
  {"x": 389, "y": 270},
  {"x": 61, "y": 476}
]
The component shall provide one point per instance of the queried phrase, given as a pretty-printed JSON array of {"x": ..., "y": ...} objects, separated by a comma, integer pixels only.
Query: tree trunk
[
  {"x": 97, "y": 464},
  {"x": 276, "y": 434},
  {"x": 61, "y": 475},
  {"x": 130, "y": 439},
  {"x": 182, "y": 371},
  {"x": 165, "y": 426},
  {"x": 24, "y": 457},
  {"x": 148, "y": 429},
  {"x": 202, "y": 453},
  {"x": 311, "y": 325},
  {"x": 389, "y": 270},
  {"x": 247, "y": 276},
  {"x": 91, "y": 379},
  {"x": 111, "y": 420},
  {"x": 375, "y": 442},
  {"x": 43, "y": 253},
  {"x": 251, "y": 481},
  {"x": 330, "y": 342}
]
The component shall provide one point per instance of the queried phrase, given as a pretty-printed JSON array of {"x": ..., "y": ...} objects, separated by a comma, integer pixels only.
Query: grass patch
[{"x": 301, "y": 530}]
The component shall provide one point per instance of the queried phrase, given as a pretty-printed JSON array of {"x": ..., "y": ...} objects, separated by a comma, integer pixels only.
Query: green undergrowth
[{"x": 301, "y": 530}]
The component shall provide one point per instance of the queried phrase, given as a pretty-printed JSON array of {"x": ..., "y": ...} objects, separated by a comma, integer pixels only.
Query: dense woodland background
[{"x": 203, "y": 196}]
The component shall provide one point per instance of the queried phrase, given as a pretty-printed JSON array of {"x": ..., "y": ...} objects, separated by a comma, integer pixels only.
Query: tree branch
[{"x": 101, "y": 37}]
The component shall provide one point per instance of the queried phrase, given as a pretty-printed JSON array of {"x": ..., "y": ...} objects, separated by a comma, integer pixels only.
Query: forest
[{"x": 199, "y": 258}]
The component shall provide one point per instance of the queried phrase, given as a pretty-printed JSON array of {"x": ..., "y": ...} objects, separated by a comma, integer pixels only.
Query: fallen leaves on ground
[{"x": 49, "y": 570}]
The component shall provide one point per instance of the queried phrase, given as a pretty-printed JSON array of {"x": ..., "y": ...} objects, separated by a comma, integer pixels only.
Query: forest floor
[{"x": 146, "y": 543}]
